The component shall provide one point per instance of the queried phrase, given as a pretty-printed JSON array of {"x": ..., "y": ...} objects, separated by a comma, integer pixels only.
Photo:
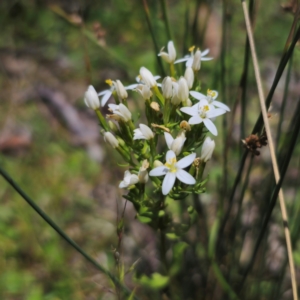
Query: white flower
[
  {"x": 189, "y": 76},
  {"x": 144, "y": 90},
  {"x": 121, "y": 110},
  {"x": 147, "y": 77},
  {"x": 143, "y": 174},
  {"x": 174, "y": 169},
  {"x": 207, "y": 149},
  {"x": 167, "y": 87},
  {"x": 210, "y": 97},
  {"x": 203, "y": 112},
  {"x": 91, "y": 98},
  {"x": 111, "y": 140},
  {"x": 171, "y": 55},
  {"x": 143, "y": 133},
  {"x": 175, "y": 144},
  {"x": 190, "y": 58},
  {"x": 129, "y": 180}
]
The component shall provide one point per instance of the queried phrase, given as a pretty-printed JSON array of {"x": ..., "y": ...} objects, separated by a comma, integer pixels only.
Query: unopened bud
[
  {"x": 189, "y": 76},
  {"x": 196, "y": 65},
  {"x": 155, "y": 106},
  {"x": 185, "y": 125},
  {"x": 111, "y": 140},
  {"x": 167, "y": 87},
  {"x": 122, "y": 93},
  {"x": 157, "y": 163},
  {"x": 143, "y": 174},
  {"x": 183, "y": 90},
  {"x": 147, "y": 77},
  {"x": 207, "y": 149},
  {"x": 91, "y": 98}
]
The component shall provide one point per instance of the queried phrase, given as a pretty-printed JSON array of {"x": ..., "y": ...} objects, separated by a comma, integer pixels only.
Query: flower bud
[
  {"x": 143, "y": 133},
  {"x": 167, "y": 87},
  {"x": 143, "y": 174},
  {"x": 171, "y": 55},
  {"x": 155, "y": 106},
  {"x": 207, "y": 149},
  {"x": 113, "y": 127},
  {"x": 175, "y": 144},
  {"x": 91, "y": 98},
  {"x": 147, "y": 77},
  {"x": 189, "y": 102},
  {"x": 145, "y": 91},
  {"x": 122, "y": 93},
  {"x": 185, "y": 125},
  {"x": 157, "y": 163},
  {"x": 197, "y": 61},
  {"x": 129, "y": 180},
  {"x": 120, "y": 111},
  {"x": 111, "y": 140},
  {"x": 183, "y": 90},
  {"x": 189, "y": 77}
]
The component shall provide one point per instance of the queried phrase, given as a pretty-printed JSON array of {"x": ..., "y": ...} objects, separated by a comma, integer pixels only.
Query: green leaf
[
  {"x": 144, "y": 219},
  {"x": 155, "y": 282}
]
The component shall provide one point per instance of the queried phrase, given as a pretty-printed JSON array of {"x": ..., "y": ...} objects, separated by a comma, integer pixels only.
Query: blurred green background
[{"x": 50, "y": 51}]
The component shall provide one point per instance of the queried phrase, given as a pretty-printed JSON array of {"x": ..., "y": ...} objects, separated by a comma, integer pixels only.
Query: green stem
[{"x": 102, "y": 121}]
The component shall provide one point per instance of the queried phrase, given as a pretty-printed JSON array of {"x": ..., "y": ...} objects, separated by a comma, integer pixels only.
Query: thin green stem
[{"x": 166, "y": 19}]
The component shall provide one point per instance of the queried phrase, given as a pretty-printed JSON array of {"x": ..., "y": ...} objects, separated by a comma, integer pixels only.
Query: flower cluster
[{"x": 177, "y": 118}]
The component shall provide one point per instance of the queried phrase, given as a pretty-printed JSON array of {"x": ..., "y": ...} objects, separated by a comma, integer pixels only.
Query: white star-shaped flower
[
  {"x": 203, "y": 112},
  {"x": 190, "y": 58},
  {"x": 210, "y": 97},
  {"x": 173, "y": 169}
]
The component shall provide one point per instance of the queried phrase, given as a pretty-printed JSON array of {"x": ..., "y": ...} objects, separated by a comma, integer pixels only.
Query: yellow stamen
[
  {"x": 191, "y": 49},
  {"x": 211, "y": 93},
  {"x": 109, "y": 82},
  {"x": 171, "y": 165}
]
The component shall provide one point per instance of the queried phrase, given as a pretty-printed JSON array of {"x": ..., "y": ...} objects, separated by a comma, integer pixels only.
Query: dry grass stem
[{"x": 272, "y": 150}]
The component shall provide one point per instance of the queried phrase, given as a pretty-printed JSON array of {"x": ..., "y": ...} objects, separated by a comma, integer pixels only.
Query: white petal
[
  {"x": 206, "y": 51},
  {"x": 192, "y": 111},
  {"x": 104, "y": 92},
  {"x": 170, "y": 154},
  {"x": 197, "y": 95},
  {"x": 185, "y": 177},
  {"x": 105, "y": 98},
  {"x": 133, "y": 179},
  {"x": 215, "y": 112},
  {"x": 189, "y": 62},
  {"x": 206, "y": 58},
  {"x": 168, "y": 183},
  {"x": 147, "y": 132},
  {"x": 159, "y": 171},
  {"x": 195, "y": 120},
  {"x": 186, "y": 161},
  {"x": 221, "y": 105},
  {"x": 182, "y": 59},
  {"x": 169, "y": 139},
  {"x": 122, "y": 185},
  {"x": 210, "y": 126},
  {"x": 131, "y": 87}
]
